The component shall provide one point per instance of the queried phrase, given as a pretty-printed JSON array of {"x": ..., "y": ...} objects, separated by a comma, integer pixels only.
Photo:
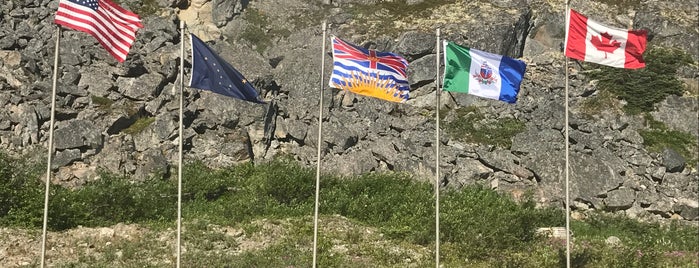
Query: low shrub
[
  {"x": 483, "y": 222},
  {"x": 478, "y": 226},
  {"x": 21, "y": 193},
  {"x": 643, "y": 88}
]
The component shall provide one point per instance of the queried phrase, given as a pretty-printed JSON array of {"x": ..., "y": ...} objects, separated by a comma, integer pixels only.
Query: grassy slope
[{"x": 261, "y": 216}]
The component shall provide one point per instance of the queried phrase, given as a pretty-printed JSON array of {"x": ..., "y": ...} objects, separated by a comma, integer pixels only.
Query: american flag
[
  {"x": 369, "y": 72},
  {"x": 113, "y": 26}
]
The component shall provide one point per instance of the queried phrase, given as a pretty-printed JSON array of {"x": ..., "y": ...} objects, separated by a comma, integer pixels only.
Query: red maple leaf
[{"x": 605, "y": 43}]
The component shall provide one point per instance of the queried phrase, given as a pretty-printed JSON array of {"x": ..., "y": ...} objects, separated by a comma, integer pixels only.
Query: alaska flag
[{"x": 211, "y": 72}]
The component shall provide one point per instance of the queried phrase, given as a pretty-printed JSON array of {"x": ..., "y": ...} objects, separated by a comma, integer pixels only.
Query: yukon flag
[
  {"x": 481, "y": 73},
  {"x": 588, "y": 40}
]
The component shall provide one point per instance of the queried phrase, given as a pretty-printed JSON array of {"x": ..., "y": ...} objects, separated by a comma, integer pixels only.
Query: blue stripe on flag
[
  {"x": 345, "y": 70},
  {"x": 511, "y": 73}
]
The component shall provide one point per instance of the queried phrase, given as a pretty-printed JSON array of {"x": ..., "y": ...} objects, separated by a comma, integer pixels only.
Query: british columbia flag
[{"x": 369, "y": 72}]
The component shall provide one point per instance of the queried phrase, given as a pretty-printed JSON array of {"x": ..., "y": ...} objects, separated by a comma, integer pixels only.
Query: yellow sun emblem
[{"x": 373, "y": 86}]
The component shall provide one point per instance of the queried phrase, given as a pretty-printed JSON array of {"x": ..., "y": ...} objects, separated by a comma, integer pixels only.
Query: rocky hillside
[{"x": 123, "y": 117}]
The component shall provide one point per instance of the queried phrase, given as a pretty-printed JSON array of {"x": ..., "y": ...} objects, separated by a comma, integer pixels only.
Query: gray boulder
[
  {"x": 679, "y": 113},
  {"x": 77, "y": 134},
  {"x": 352, "y": 163},
  {"x": 143, "y": 88},
  {"x": 224, "y": 10},
  {"x": 619, "y": 199},
  {"x": 592, "y": 176},
  {"x": 415, "y": 44},
  {"x": 97, "y": 81},
  {"x": 468, "y": 171},
  {"x": 422, "y": 70},
  {"x": 65, "y": 157},
  {"x": 672, "y": 160},
  {"x": 221, "y": 149},
  {"x": 687, "y": 208},
  {"x": 151, "y": 163},
  {"x": 117, "y": 156},
  {"x": 659, "y": 18}
]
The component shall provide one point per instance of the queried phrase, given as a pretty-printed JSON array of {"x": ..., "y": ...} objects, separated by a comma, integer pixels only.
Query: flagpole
[
  {"x": 436, "y": 180},
  {"x": 50, "y": 149},
  {"x": 567, "y": 158},
  {"x": 567, "y": 176},
  {"x": 181, "y": 137},
  {"x": 320, "y": 135}
]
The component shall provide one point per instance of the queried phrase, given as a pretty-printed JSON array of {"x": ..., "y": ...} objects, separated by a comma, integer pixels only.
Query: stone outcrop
[{"x": 124, "y": 117}]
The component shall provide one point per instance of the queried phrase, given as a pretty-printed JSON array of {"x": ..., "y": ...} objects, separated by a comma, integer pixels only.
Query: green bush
[
  {"x": 21, "y": 193},
  {"x": 105, "y": 202},
  {"x": 642, "y": 88},
  {"x": 256, "y": 29},
  {"x": 287, "y": 183},
  {"x": 399, "y": 205},
  {"x": 483, "y": 222},
  {"x": 478, "y": 226},
  {"x": 603, "y": 101},
  {"x": 112, "y": 200},
  {"x": 638, "y": 234}
]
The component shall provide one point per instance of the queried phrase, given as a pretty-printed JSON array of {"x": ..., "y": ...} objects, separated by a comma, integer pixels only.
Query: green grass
[
  {"x": 259, "y": 30},
  {"x": 622, "y": 5},
  {"x": 377, "y": 220},
  {"x": 471, "y": 125},
  {"x": 102, "y": 102},
  {"x": 603, "y": 101},
  {"x": 658, "y": 137},
  {"x": 144, "y": 8},
  {"x": 140, "y": 124},
  {"x": 643, "y": 88},
  {"x": 379, "y": 18},
  {"x": 399, "y": 9}
]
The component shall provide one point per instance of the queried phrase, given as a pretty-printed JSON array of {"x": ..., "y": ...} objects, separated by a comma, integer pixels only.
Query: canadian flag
[{"x": 587, "y": 40}]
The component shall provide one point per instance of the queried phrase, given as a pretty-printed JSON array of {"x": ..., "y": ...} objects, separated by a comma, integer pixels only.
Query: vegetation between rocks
[
  {"x": 658, "y": 136},
  {"x": 379, "y": 19},
  {"x": 143, "y": 8},
  {"x": 140, "y": 124},
  {"x": 479, "y": 227},
  {"x": 471, "y": 125},
  {"x": 642, "y": 88}
]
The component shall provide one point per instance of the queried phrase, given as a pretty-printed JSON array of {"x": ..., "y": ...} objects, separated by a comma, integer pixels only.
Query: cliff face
[{"x": 123, "y": 118}]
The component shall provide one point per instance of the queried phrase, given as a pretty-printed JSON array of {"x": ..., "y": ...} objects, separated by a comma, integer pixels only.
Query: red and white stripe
[
  {"x": 113, "y": 26},
  {"x": 578, "y": 44}
]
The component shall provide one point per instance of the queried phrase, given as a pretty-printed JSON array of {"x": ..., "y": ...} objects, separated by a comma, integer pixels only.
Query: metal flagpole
[
  {"x": 181, "y": 137},
  {"x": 567, "y": 177},
  {"x": 436, "y": 180},
  {"x": 567, "y": 158},
  {"x": 50, "y": 145},
  {"x": 320, "y": 132}
]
